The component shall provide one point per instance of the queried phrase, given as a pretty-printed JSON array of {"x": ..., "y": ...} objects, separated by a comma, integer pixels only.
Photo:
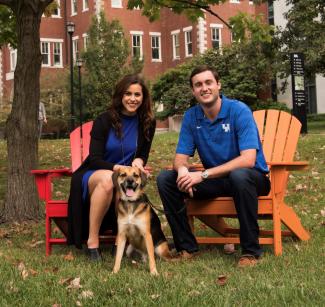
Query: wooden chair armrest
[
  {"x": 289, "y": 166},
  {"x": 43, "y": 180},
  {"x": 59, "y": 171},
  {"x": 192, "y": 167}
]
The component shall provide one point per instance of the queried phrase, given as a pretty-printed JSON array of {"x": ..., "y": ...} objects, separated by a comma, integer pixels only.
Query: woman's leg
[{"x": 101, "y": 192}]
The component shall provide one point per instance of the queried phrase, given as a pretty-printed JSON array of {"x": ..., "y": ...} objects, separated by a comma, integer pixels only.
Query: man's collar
[{"x": 223, "y": 111}]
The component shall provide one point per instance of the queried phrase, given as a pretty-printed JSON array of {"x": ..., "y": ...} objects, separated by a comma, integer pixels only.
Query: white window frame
[
  {"x": 117, "y": 4},
  {"x": 188, "y": 41},
  {"x": 176, "y": 44},
  {"x": 74, "y": 7},
  {"x": 58, "y": 15},
  {"x": 156, "y": 35},
  {"x": 13, "y": 59},
  {"x": 250, "y": 2},
  {"x": 85, "y": 5},
  {"x": 85, "y": 41},
  {"x": 60, "y": 63},
  {"x": 140, "y": 34},
  {"x": 215, "y": 26},
  {"x": 44, "y": 43},
  {"x": 75, "y": 48},
  {"x": 234, "y": 1}
]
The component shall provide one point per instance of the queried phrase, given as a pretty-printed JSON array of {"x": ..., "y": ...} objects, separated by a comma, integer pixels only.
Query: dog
[{"x": 137, "y": 221}]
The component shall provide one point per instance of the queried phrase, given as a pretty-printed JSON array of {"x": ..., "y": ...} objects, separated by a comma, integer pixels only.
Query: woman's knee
[{"x": 102, "y": 182}]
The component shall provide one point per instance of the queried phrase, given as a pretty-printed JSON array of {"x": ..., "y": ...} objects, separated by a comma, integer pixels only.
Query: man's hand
[{"x": 186, "y": 180}]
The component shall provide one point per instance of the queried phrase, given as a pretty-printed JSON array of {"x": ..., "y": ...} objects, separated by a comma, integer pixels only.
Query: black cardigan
[{"x": 78, "y": 211}]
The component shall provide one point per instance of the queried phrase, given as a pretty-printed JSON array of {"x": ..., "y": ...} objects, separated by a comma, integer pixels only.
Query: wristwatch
[{"x": 205, "y": 174}]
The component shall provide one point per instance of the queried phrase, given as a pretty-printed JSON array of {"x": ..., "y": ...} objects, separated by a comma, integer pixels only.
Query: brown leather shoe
[
  {"x": 247, "y": 260},
  {"x": 185, "y": 255}
]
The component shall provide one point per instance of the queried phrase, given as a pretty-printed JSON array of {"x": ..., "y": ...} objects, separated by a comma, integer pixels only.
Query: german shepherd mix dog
[{"x": 137, "y": 221}]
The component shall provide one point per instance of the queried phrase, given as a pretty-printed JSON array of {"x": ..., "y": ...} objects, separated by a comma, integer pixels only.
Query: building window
[
  {"x": 85, "y": 5},
  {"x": 75, "y": 48},
  {"x": 234, "y": 1},
  {"x": 270, "y": 12},
  {"x": 250, "y": 2},
  {"x": 56, "y": 12},
  {"x": 155, "y": 47},
  {"x": 45, "y": 50},
  {"x": 176, "y": 47},
  {"x": 188, "y": 43},
  {"x": 137, "y": 45},
  {"x": 57, "y": 54},
  {"x": 13, "y": 59},
  {"x": 73, "y": 7},
  {"x": 116, "y": 3},
  {"x": 86, "y": 40},
  {"x": 216, "y": 35}
]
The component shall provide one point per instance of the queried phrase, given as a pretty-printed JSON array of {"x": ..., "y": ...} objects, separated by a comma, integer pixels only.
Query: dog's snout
[{"x": 129, "y": 180}]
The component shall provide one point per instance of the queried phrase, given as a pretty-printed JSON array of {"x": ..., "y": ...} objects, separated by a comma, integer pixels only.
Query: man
[
  {"x": 41, "y": 118},
  {"x": 224, "y": 133}
]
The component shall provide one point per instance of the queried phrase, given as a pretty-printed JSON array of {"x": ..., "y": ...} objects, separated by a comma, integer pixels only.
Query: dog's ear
[
  {"x": 114, "y": 178},
  {"x": 143, "y": 179}
]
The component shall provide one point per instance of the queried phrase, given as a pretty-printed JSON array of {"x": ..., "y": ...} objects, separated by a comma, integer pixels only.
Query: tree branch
[
  {"x": 190, "y": 4},
  {"x": 7, "y": 2}
]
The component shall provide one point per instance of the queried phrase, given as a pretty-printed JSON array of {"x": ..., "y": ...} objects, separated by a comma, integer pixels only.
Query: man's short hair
[{"x": 202, "y": 68}]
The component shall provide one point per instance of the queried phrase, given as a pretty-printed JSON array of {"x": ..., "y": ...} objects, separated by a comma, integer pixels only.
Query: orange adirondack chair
[
  {"x": 279, "y": 133},
  {"x": 54, "y": 209}
]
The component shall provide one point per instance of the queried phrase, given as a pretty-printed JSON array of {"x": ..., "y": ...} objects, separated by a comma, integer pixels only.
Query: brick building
[{"x": 163, "y": 44}]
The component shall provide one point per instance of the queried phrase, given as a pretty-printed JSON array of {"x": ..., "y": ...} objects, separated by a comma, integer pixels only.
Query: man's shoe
[
  {"x": 185, "y": 255},
  {"x": 247, "y": 260},
  {"x": 94, "y": 254}
]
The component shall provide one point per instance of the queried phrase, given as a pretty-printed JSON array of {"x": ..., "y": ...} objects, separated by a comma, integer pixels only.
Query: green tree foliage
[
  {"x": 8, "y": 33},
  {"x": 105, "y": 62},
  {"x": 304, "y": 32},
  {"x": 246, "y": 68}
]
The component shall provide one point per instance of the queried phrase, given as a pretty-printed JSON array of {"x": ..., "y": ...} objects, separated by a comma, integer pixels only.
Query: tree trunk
[{"x": 22, "y": 138}]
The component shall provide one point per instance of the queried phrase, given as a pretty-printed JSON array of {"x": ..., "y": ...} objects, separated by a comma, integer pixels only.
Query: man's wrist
[{"x": 205, "y": 175}]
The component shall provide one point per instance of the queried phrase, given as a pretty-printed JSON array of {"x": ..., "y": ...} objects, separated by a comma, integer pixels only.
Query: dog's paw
[{"x": 154, "y": 273}]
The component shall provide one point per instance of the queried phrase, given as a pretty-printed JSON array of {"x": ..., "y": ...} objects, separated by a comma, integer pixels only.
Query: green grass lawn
[{"x": 66, "y": 278}]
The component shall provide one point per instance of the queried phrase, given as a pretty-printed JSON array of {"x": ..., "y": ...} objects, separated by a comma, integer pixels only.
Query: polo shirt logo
[{"x": 226, "y": 127}]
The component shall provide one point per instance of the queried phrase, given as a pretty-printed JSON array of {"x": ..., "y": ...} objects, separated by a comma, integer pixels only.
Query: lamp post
[
  {"x": 79, "y": 65},
  {"x": 70, "y": 30}
]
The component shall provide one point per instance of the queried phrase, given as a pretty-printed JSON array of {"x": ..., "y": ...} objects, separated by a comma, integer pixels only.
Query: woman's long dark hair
[{"x": 144, "y": 112}]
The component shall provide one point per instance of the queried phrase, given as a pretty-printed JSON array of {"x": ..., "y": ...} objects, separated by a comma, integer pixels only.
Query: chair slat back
[
  {"x": 279, "y": 132},
  {"x": 259, "y": 117},
  {"x": 79, "y": 144}
]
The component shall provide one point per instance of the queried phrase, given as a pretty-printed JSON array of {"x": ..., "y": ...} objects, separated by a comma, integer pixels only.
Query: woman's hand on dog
[{"x": 138, "y": 162}]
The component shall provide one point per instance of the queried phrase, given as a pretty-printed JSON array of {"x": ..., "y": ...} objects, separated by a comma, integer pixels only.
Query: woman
[{"x": 120, "y": 136}]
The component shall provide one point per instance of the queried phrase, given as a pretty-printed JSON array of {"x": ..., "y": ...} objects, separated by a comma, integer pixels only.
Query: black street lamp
[
  {"x": 70, "y": 30},
  {"x": 79, "y": 65}
]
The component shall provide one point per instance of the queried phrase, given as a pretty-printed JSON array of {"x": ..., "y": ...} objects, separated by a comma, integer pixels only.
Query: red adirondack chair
[{"x": 54, "y": 209}]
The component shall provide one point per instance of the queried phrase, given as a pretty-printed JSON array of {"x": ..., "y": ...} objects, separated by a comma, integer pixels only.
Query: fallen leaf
[
  {"x": 130, "y": 290},
  {"x": 86, "y": 294},
  {"x": 322, "y": 212},
  {"x": 56, "y": 305},
  {"x": 78, "y": 303},
  {"x": 75, "y": 284},
  {"x": 297, "y": 247},
  {"x": 222, "y": 280},
  {"x": 64, "y": 281},
  {"x": 194, "y": 293},
  {"x": 155, "y": 296},
  {"x": 36, "y": 243},
  {"x": 33, "y": 272},
  {"x": 68, "y": 257}
]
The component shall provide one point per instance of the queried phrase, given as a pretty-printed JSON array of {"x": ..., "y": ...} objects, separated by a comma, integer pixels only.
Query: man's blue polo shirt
[{"x": 222, "y": 139}]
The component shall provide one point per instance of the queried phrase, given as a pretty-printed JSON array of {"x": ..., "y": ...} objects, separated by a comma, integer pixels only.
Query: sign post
[{"x": 298, "y": 89}]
